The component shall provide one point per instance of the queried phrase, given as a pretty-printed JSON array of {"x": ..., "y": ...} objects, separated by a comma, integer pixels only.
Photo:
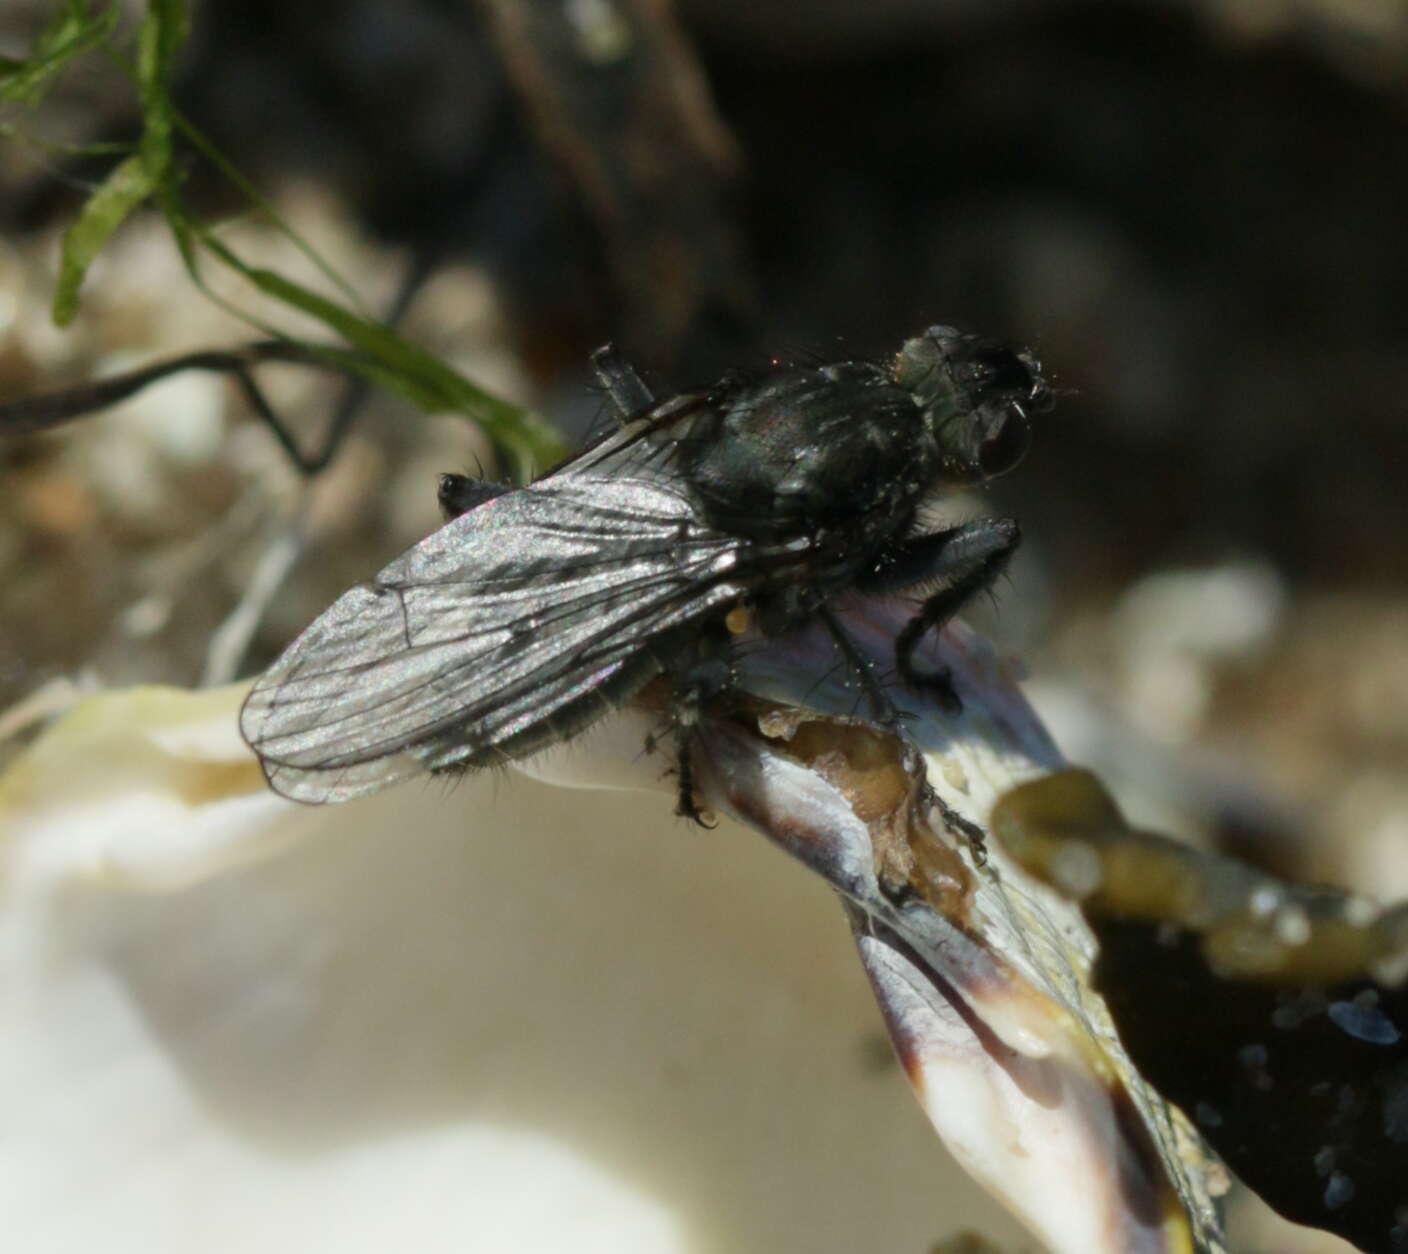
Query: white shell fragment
[
  {"x": 486, "y": 1015},
  {"x": 494, "y": 1015}
]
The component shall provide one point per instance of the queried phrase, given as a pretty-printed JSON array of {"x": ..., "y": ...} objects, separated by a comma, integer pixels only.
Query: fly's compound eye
[
  {"x": 1004, "y": 436},
  {"x": 992, "y": 369},
  {"x": 1042, "y": 400},
  {"x": 1005, "y": 387}
]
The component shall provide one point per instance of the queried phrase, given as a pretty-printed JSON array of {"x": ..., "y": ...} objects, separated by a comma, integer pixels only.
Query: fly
[{"x": 536, "y": 611}]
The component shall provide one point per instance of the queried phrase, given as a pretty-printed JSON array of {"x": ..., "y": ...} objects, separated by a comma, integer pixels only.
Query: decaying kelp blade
[{"x": 982, "y": 973}]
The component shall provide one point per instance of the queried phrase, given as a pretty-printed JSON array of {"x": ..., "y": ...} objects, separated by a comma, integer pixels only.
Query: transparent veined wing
[{"x": 510, "y": 627}]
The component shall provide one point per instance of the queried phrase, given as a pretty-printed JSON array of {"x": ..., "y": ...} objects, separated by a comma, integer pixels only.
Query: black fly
[{"x": 534, "y": 612}]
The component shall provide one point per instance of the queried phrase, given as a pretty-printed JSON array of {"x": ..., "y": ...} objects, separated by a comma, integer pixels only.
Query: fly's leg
[
  {"x": 623, "y": 386},
  {"x": 458, "y": 494},
  {"x": 686, "y": 806},
  {"x": 882, "y": 709},
  {"x": 883, "y": 712},
  {"x": 972, "y": 559},
  {"x": 702, "y": 672},
  {"x": 693, "y": 689},
  {"x": 958, "y": 563},
  {"x": 975, "y": 836}
]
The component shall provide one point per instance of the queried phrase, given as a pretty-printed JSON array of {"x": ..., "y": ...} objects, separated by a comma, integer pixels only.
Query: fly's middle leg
[{"x": 884, "y": 713}]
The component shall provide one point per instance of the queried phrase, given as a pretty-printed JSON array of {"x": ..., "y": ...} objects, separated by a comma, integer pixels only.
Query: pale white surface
[{"x": 498, "y": 1016}]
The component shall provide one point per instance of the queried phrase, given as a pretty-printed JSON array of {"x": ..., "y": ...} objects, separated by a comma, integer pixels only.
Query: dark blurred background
[{"x": 1192, "y": 211}]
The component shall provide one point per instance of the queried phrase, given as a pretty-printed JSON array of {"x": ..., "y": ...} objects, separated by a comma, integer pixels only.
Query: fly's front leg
[
  {"x": 958, "y": 564},
  {"x": 623, "y": 386}
]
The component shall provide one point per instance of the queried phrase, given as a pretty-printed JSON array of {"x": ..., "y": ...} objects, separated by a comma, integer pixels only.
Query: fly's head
[{"x": 977, "y": 396}]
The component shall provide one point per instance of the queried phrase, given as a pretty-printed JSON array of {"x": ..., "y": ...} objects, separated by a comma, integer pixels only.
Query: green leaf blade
[
  {"x": 72, "y": 32},
  {"x": 399, "y": 365},
  {"x": 125, "y": 187},
  {"x": 164, "y": 30}
]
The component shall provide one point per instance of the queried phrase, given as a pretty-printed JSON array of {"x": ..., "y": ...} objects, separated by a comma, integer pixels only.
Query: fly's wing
[{"x": 474, "y": 643}]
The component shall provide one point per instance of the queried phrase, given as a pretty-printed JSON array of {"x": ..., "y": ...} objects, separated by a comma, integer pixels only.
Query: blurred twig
[{"x": 617, "y": 97}]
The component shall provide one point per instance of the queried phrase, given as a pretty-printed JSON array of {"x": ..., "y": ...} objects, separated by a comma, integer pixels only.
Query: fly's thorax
[{"x": 840, "y": 448}]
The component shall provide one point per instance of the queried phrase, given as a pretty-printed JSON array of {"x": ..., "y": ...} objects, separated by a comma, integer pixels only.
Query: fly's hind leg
[
  {"x": 704, "y": 671},
  {"x": 687, "y": 805},
  {"x": 624, "y": 388}
]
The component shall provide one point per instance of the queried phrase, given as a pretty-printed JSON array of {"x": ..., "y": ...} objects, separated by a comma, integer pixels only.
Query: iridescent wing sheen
[{"x": 511, "y": 627}]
